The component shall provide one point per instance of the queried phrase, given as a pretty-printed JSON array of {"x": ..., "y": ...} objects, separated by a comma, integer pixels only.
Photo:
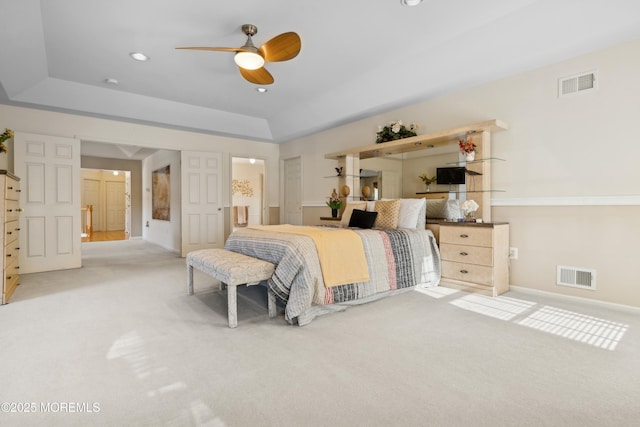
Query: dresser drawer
[
  {"x": 11, "y": 252},
  {"x": 11, "y": 231},
  {"x": 467, "y": 254},
  {"x": 12, "y": 210},
  {"x": 467, "y": 272},
  {"x": 473, "y": 236},
  {"x": 12, "y": 190}
]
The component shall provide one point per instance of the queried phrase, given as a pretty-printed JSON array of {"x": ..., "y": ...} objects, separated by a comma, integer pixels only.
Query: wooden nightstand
[{"x": 475, "y": 257}]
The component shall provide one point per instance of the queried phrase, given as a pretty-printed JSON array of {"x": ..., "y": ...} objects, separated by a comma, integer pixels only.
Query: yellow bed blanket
[{"x": 340, "y": 251}]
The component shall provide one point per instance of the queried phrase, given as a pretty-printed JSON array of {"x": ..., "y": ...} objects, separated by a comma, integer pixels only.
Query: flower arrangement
[
  {"x": 466, "y": 146},
  {"x": 334, "y": 201},
  {"x": 469, "y": 207},
  {"x": 425, "y": 178},
  {"x": 395, "y": 130},
  {"x": 8, "y": 133}
]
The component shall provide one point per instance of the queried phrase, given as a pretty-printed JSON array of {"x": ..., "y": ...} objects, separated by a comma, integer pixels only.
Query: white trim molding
[
  {"x": 590, "y": 301},
  {"x": 569, "y": 201}
]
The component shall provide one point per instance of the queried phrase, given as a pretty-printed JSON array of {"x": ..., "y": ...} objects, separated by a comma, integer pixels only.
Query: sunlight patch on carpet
[
  {"x": 503, "y": 308},
  {"x": 436, "y": 291},
  {"x": 578, "y": 327}
]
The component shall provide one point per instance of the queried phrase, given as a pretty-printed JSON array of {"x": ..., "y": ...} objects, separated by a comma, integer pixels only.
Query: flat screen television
[{"x": 451, "y": 176}]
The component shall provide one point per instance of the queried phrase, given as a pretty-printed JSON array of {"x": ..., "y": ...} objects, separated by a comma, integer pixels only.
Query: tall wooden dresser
[{"x": 10, "y": 188}]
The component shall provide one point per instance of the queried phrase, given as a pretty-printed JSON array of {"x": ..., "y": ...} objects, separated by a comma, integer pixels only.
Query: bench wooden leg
[
  {"x": 190, "y": 279},
  {"x": 232, "y": 305},
  {"x": 271, "y": 302}
]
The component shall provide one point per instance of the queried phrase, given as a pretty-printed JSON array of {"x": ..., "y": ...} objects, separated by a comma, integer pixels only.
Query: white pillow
[
  {"x": 409, "y": 215},
  {"x": 371, "y": 206},
  {"x": 348, "y": 210}
]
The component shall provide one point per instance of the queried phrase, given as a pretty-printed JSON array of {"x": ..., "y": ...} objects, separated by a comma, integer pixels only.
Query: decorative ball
[
  {"x": 366, "y": 191},
  {"x": 345, "y": 190}
]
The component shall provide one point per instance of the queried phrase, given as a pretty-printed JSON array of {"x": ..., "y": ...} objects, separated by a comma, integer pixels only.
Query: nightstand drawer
[
  {"x": 467, "y": 254},
  {"x": 467, "y": 272},
  {"x": 473, "y": 236}
]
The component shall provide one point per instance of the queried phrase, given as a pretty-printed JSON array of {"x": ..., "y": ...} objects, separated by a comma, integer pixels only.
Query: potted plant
[
  {"x": 7, "y": 134},
  {"x": 468, "y": 148},
  {"x": 395, "y": 130},
  {"x": 335, "y": 203},
  {"x": 427, "y": 181}
]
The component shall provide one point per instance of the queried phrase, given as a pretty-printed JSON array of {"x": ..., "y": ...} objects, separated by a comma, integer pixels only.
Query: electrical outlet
[{"x": 513, "y": 253}]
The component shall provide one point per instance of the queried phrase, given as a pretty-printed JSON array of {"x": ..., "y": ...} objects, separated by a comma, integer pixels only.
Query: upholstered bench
[{"x": 231, "y": 269}]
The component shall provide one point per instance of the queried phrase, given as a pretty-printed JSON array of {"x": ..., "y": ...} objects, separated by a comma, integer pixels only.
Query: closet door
[
  {"x": 49, "y": 169},
  {"x": 202, "y": 208}
]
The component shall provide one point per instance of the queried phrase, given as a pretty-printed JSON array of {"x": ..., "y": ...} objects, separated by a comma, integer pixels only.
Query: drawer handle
[
  {"x": 8, "y": 277},
  {"x": 464, "y": 271},
  {"x": 464, "y": 236},
  {"x": 18, "y": 191},
  {"x": 8, "y": 255},
  {"x": 10, "y": 188},
  {"x": 464, "y": 253},
  {"x": 17, "y": 229},
  {"x": 19, "y": 210},
  {"x": 9, "y": 210},
  {"x": 9, "y": 232}
]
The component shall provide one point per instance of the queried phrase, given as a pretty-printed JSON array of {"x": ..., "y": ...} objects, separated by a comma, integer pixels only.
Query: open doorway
[
  {"x": 105, "y": 198},
  {"x": 247, "y": 192}
]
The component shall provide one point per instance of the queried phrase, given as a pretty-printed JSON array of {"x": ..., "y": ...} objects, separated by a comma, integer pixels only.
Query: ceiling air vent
[
  {"x": 576, "y": 277},
  {"x": 577, "y": 83}
]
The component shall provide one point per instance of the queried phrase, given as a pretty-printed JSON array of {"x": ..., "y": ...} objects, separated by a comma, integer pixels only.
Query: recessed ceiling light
[
  {"x": 139, "y": 56},
  {"x": 410, "y": 3},
  {"x": 262, "y": 89},
  {"x": 111, "y": 81}
]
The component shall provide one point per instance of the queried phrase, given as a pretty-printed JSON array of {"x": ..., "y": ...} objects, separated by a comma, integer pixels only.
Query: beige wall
[{"x": 570, "y": 175}]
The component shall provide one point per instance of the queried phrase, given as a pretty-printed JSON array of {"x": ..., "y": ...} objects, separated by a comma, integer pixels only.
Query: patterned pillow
[
  {"x": 443, "y": 209},
  {"x": 388, "y": 212},
  {"x": 346, "y": 215}
]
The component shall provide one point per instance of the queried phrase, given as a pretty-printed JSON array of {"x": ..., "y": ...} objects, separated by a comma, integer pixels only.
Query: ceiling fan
[{"x": 250, "y": 60}]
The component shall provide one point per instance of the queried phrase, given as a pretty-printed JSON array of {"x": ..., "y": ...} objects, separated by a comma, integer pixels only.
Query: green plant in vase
[{"x": 427, "y": 181}]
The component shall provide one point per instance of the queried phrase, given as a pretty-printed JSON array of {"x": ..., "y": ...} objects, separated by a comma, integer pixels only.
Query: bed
[{"x": 397, "y": 260}]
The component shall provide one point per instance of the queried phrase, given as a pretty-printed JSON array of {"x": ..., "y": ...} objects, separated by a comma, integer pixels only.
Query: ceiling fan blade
[
  {"x": 260, "y": 76},
  {"x": 223, "y": 49},
  {"x": 284, "y": 47}
]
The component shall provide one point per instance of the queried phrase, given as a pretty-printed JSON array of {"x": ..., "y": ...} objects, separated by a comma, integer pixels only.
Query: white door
[
  {"x": 91, "y": 196},
  {"x": 115, "y": 205},
  {"x": 293, "y": 191},
  {"x": 127, "y": 203},
  {"x": 49, "y": 171},
  {"x": 202, "y": 207}
]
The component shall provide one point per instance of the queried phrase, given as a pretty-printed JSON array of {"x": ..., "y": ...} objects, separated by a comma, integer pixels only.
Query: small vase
[
  {"x": 470, "y": 156},
  {"x": 334, "y": 213},
  {"x": 428, "y": 187}
]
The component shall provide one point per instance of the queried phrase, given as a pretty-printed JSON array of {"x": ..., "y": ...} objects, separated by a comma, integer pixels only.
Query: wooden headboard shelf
[{"x": 420, "y": 142}]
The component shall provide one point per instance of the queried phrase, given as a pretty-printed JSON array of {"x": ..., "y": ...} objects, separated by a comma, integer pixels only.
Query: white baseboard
[{"x": 606, "y": 304}]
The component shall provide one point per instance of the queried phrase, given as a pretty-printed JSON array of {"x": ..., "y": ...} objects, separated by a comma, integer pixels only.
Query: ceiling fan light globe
[{"x": 248, "y": 60}]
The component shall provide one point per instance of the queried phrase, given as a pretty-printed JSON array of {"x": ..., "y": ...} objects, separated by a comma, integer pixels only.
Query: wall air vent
[
  {"x": 576, "y": 277},
  {"x": 577, "y": 83}
]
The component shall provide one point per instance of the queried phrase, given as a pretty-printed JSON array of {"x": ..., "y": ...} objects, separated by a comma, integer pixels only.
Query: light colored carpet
[{"x": 121, "y": 337}]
